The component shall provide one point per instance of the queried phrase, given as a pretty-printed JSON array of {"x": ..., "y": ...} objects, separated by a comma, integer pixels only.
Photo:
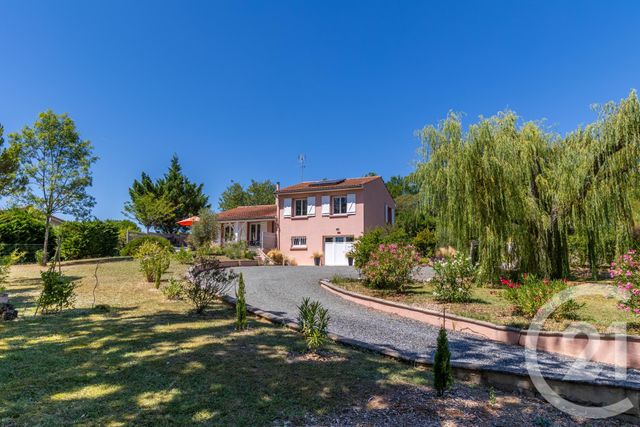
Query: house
[{"x": 312, "y": 217}]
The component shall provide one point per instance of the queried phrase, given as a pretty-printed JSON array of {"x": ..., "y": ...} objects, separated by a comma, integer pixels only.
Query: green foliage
[
  {"x": 56, "y": 164},
  {"x": 6, "y": 262},
  {"x": 204, "y": 231},
  {"x": 207, "y": 281},
  {"x": 442, "y": 374},
  {"x": 132, "y": 247},
  {"x": 410, "y": 216},
  {"x": 87, "y": 239},
  {"x": 39, "y": 256},
  {"x": 149, "y": 210},
  {"x": 520, "y": 190},
  {"x": 369, "y": 242},
  {"x": 426, "y": 242},
  {"x": 9, "y": 166},
  {"x": 390, "y": 266},
  {"x": 237, "y": 250},
  {"x": 530, "y": 295},
  {"x": 173, "y": 290},
  {"x": 257, "y": 193},
  {"x": 58, "y": 292},
  {"x": 123, "y": 225},
  {"x": 241, "y": 305},
  {"x": 454, "y": 278},
  {"x": 313, "y": 320},
  {"x": 23, "y": 229},
  {"x": 401, "y": 186},
  {"x": 184, "y": 256},
  {"x": 154, "y": 261},
  {"x": 626, "y": 273}
]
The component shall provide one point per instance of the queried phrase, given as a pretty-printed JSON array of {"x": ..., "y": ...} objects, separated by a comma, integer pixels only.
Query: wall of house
[
  {"x": 316, "y": 227},
  {"x": 376, "y": 198}
]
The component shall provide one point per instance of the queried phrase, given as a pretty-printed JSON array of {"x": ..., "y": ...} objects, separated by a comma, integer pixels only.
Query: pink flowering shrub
[
  {"x": 533, "y": 293},
  {"x": 626, "y": 271},
  {"x": 390, "y": 266}
]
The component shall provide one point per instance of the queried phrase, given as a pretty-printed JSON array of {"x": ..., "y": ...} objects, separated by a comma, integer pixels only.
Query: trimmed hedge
[
  {"x": 88, "y": 239},
  {"x": 131, "y": 247},
  {"x": 22, "y": 229}
]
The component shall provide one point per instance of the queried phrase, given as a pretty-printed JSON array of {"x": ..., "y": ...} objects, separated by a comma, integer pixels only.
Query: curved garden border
[{"x": 553, "y": 342}]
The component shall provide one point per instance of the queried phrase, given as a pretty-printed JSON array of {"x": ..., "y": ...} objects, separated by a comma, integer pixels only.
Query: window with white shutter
[
  {"x": 287, "y": 207},
  {"x": 311, "y": 206},
  {"x": 351, "y": 203},
  {"x": 326, "y": 205}
]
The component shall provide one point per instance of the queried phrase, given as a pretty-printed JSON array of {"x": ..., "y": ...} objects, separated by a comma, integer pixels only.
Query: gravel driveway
[{"x": 279, "y": 290}]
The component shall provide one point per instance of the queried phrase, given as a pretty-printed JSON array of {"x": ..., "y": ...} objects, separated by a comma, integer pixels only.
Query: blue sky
[{"x": 239, "y": 88}]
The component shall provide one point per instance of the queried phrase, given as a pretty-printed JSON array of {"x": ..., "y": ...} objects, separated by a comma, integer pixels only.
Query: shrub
[
  {"x": 22, "y": 229},
  {"x": 123, "y": 226},
  {"x": 206, "y": 282},
  {"x": 237, "y": 250},
  {"x": 368, "y": 243},
  {"x": 6, "y": 261},
  {"x": 241, "y": 306},
  {"x": 390, "y": 266},
  {"x": 173, "y": 290},
  {"x": 184, "y": 256},
  {"x": 154, "y": 261},
  {"x": 313, "y": 320},
  {"x": 276, "y": 256},
  {"x": 204, "y": 231},
  {"x": 530, "y": 295},
  {"x": 87, "y": 239},
  {"x": 425, "y": 242},
  {"x": 626, "y": 273},
  {"x": 453, "y": 280},
  {"x": 58, "y": 292},
  {"x": 442, "y": 377},
  {"x": 39, "y": 256},
  {"x": 132, "y": 247}
]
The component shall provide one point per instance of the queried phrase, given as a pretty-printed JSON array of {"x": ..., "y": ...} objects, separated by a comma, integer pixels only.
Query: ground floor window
[
  {"x": 229, "y": 234},
  {"x": 299, "y": 242}
]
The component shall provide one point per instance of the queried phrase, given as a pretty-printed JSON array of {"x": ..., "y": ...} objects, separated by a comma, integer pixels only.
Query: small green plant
[
  {"x": 425, "y": 242},
  {"x": 206, "y": 281},
  {"x": 454, "y": 278},
  {"x": 154, "y": 261},
  {"x": 184, "y": 256},
  {"x": 492, "y": 396},
  {"x": 5, "y": 265},
  {"x": 313, "y": 320},
  {"x": 58, "y": 292},
  {"x": 39, "y": 255},
  {"x": 241, "y": 305},
  {"x": 236, "y": 250},
  {"x": 173, "y": 290},
  {"x": 442, "y": 377}
]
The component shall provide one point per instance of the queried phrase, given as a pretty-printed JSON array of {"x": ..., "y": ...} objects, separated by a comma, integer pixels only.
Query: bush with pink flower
[
  {"x": 530, "y": 294},
  {"x": 390, "y": 266},
  {"x": 626, "y": 272}
]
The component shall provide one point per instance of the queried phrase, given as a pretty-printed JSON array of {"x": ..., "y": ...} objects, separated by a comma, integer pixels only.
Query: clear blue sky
[{"x": 239, "y": 88}]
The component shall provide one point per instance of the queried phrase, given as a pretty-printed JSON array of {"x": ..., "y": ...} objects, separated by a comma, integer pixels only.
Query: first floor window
[
  {"x": 229, "y": 234},
  {"x": 301, "y": 207},
  {"x": 339, "y": 205},
  {"x": 299, "y": 242}
]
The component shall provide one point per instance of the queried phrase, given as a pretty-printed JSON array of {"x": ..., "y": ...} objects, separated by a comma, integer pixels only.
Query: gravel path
[{"x": 279, "y": 290}]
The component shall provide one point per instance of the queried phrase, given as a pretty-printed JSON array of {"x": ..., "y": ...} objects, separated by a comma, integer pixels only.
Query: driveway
[{"x": 280, "y": 290}]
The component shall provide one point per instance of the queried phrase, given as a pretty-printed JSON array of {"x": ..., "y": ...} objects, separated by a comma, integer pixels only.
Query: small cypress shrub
[
  {"x": 241, "y": 306},
  {"x": 442, "y": 378}
]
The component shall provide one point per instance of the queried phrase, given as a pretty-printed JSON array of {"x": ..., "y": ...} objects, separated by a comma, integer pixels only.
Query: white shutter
[
  {"x": 351, "y": 203},
  {"x": 326, "y": 205},
  {"x": 287, "y": 207},
  {"x": 393, "y": 216},
  {"x": 311, "y": 206},
  {"x": 386, "y": 214}
]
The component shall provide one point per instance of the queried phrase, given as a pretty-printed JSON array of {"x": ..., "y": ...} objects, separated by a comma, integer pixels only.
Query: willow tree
[{"x": 520, "y": 191}]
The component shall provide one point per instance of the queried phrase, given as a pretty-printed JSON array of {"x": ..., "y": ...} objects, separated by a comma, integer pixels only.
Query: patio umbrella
[{"x": 188, "y": 222}]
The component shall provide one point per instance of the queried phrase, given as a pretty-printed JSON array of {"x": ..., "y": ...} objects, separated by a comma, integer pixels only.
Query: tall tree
[
  {"x": 520, "y": 191},
  {"x": 149, "y": 210},
  {"x": 257, "y": 193},
  {"x": 9, "y": 164},
  {"x": 56, "y": 164}
]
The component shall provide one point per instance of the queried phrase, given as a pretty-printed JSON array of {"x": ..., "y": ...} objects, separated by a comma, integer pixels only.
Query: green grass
[
  {"x": 147, "y": 361},
  {"x": 489, "y": 304}
]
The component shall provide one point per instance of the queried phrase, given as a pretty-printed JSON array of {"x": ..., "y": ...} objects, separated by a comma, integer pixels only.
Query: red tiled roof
[
  {"x": 248, "y": 212},
  {"x": 317, "y": 185}
]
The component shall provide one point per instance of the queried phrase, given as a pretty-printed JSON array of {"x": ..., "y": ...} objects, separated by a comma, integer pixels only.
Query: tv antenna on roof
[{"x": 302, "y": 166}]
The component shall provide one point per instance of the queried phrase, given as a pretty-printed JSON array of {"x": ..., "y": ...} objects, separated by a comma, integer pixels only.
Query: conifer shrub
[
  {"x": 442, "y": 377},
  {"x": 241, "y": 305}
]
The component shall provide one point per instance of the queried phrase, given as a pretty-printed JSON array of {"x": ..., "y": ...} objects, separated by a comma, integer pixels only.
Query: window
[
  {"x": 229, "y": 234},
  {"x": 299, "y": 242},
  {"x": 301, "y": 207},
  {"x": 339, "y": 205}
]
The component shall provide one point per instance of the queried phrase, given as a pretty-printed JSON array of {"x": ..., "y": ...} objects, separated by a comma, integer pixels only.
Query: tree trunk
[{"x": 45, "y": 254}]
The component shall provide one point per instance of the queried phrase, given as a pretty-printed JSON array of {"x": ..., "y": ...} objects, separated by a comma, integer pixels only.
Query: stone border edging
[
  {"x": 574, "y": 390},
  {"x": 553, "y": 342}
]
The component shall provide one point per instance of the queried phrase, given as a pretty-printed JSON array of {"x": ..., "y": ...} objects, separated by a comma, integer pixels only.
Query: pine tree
[
  {"x": 442, "y": 378},
  {"x": 241, "y": 306}
]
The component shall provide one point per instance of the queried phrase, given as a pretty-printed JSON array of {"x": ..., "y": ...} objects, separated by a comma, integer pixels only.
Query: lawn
[
  {"x": 490, "y": 304},
  {"x": 147, "y": 361}
]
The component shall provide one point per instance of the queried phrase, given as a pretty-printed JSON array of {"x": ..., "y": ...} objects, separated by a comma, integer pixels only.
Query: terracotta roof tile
[
  {"x": 313, "y": 185},
  {"x": 248, "y": 212}
]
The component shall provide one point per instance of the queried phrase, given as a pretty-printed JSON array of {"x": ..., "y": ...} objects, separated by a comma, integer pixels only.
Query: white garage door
[{"x": 336, "y": 249}]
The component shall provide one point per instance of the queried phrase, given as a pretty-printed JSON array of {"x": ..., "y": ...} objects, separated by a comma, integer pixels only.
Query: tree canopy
[
  {"x": 257, "y": 193},
  {"x": 9, "y": 164},
  {"x": 55, "y": 163},
  {"x": 520, "y": 191}
]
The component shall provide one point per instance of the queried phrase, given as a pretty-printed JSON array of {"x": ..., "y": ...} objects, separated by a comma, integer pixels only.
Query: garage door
[{"x": 336, "y": 249}]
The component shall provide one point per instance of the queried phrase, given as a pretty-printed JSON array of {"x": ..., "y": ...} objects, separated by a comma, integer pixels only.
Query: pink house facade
[{"x": 310, "y": 218}]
